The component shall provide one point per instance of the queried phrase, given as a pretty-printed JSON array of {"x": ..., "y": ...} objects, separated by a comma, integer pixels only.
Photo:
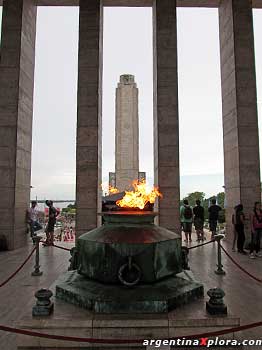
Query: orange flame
[
  {"x": 107, "y": 189},
  {"x": 140, "y": 196},
  {"x": 113, "y": 190}
]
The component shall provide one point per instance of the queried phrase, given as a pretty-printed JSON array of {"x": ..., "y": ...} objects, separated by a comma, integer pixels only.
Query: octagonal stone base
[
  {"x": 159, "y": 297},
  {"x": 155, "y": 250}
]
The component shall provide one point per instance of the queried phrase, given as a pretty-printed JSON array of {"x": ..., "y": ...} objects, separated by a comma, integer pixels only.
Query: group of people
[
  {"x": 196, "y": 216},
  {"x": 238, "y": 221},
  {"x": 188, "y": 217},
  {"x": 34, "y": 225},
  {"x": 66, "y": 235}
]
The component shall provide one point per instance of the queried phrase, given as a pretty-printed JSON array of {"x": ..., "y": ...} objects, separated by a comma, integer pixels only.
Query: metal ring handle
[{"x": 124, "y": 269}]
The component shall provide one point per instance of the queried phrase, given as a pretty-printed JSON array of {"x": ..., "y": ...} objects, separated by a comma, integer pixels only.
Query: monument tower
[{"x": 126, "y": 135}]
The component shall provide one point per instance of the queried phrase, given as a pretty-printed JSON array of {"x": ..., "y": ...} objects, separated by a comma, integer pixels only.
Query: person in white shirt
[{"x": 32, "y": 219}]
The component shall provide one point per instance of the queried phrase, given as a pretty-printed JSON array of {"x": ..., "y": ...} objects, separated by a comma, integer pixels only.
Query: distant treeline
[{"x": 205, "y": 202}]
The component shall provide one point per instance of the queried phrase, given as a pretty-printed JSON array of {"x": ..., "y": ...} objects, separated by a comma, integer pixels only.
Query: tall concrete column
[
  {"x": 16, "y": 110},
  {"x": 240, "y": 122},
  {"x": 166, "y": 131},
  {"x": 89, "y": 117}
]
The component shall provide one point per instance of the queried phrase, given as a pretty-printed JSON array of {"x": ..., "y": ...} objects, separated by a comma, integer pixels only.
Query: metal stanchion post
[
  {"x": 219, "y": 270},
  {"x": 37, "y": 271}
]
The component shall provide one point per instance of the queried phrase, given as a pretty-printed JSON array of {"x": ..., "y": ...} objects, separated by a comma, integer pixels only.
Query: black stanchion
[
  {"x": 219, "y": 270},
  {"x": 37, "y": 271}
]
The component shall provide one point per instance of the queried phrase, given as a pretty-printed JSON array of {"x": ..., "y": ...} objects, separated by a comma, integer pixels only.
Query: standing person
[
  {"x": 71, "y": 233},
  {"x": 199, "y": 218},
  {"x": 186, "y": 216},
  {"x": 239, "y": 221},
  {"x": 213, "y": 211},
  {"x": 60, "y": 234},
  {"x": 32, "y": 219},
  {"x": 52, "y": 214},
  {"x": 234, "y": 230},
  {"x": 256, "y": 229}
]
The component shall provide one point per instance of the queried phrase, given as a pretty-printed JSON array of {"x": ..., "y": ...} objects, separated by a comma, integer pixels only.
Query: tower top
[{"x": 127, "y": 79}]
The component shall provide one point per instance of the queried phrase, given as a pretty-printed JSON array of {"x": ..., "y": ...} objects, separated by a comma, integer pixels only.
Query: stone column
[
  {"x": 16, "y": 110},
  {"x": 89, "y": 118},
  {"x": 166, "y": 131},
  {"x": 240, "y": 122}
]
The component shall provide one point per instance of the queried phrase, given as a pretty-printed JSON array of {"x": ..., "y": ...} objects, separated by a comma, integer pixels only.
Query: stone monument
[{"x": 126, "y": 135}]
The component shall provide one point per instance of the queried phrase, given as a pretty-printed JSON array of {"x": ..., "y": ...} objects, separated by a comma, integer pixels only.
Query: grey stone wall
[
  {"x": 240, "y": 122},
  {"x": 16, "y": 110},
  {"x": 89, "y": 118},
  {"x": 166, "y": 130}
]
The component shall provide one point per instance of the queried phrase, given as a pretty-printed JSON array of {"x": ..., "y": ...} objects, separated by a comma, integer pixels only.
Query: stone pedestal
[
  {"x": 159, "y": 297},
  {"x": 43, "y": 307},
  {"x": 89, "y": 325}
]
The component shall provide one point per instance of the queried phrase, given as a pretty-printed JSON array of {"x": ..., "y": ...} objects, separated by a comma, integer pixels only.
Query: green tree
[
  {"x": 221, "y": 202},
  {"x": 192, "y": 197},
  {"x": 221, "y": 199},
  {"x": 70, "y": 209},
  {"x": 205, "y": 202},
  {"x": 72, "y": 206}
]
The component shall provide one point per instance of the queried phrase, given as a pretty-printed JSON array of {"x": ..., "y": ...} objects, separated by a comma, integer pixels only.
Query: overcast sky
[{"x": 128, "y": 49}]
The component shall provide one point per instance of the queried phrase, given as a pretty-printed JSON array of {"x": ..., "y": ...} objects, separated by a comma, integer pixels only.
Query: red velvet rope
[
  {"x": 200, "y": 245},
  {"x": 125, "y": 341},
  {"x": 20, "y": 267},
  {"x": 240, "y": 267},
  {"x": 58, "y": 246}
]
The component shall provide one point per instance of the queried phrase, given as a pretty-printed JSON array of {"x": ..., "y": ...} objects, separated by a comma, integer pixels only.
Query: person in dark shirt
[
  {"x": 239, "y": 221},
  {"x": 52, "y": 214},
  {"x": 234, "y": 229},
  {"x": 256, "y": 230},
  {"x": 213, "y": 212},
  {"x": 186, "y": 217},
  {"x": 199, "y": 218}
]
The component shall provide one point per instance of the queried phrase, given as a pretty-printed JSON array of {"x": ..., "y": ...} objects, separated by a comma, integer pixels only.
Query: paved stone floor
[{"x": 243, "y": 295}]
